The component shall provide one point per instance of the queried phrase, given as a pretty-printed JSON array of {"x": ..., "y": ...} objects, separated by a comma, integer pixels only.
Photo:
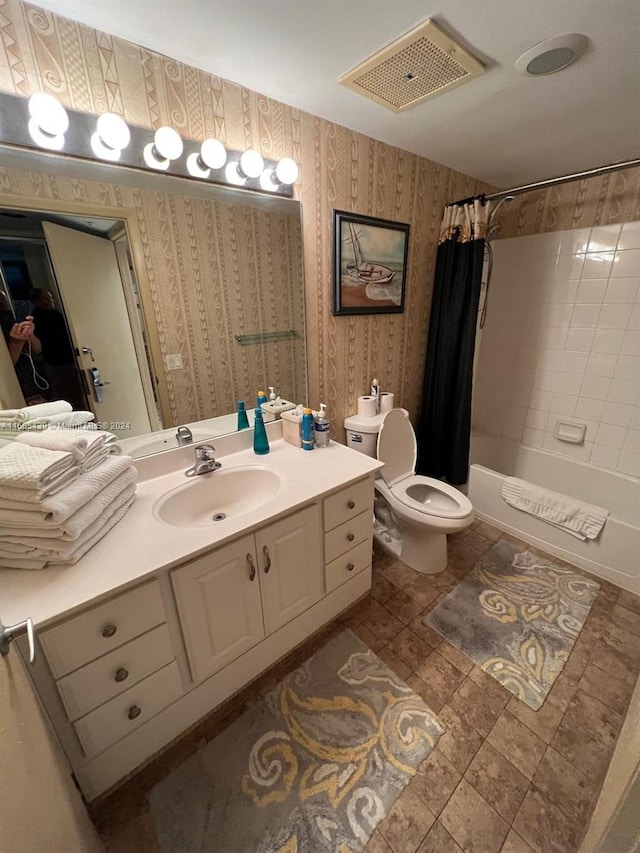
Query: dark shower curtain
[{"x": 445, "y": 420}]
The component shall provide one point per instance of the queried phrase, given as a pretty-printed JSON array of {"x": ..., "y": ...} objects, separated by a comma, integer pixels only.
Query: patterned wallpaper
[
  {"x": 89, "y": 70},
  {"x": 607, "y": 200}
]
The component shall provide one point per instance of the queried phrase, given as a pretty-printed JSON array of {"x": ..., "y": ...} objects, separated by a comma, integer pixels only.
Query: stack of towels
[
  {"x": 61, "y": 491},
  {"x": 14, "y": 422}
]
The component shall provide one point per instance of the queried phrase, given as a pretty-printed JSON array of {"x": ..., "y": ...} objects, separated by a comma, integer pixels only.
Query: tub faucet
[
  {"x": 205, "y": 461},
  {"x": 184, "y": 436}
]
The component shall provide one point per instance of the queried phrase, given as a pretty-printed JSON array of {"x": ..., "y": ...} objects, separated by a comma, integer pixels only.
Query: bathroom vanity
[{"x": 173, "y": 612}]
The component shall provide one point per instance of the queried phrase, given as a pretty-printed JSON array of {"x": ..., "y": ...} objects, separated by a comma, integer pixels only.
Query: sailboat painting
[{"x": 370, "y": 264}]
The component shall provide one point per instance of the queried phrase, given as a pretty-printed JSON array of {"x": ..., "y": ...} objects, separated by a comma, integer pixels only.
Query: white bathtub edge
[{"x": 618, "y": 543}]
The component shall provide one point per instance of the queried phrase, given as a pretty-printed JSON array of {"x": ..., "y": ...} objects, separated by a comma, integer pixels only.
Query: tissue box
[
  {"x": 273, "y": 410},
  {"x": 292, "y": 427}
]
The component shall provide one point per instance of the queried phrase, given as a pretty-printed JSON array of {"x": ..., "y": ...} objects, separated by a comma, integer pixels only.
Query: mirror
[{"x": 157, "y": 301}]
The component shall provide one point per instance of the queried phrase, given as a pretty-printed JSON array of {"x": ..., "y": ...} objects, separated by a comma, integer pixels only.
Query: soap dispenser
[
  {"x": 243, "y": 420},
  {"x": 322, "y": 427},
  {"x": 260, "y": 440}
]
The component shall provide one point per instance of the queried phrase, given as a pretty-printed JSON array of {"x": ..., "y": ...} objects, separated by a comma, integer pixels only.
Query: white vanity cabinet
[
  {"x": 229, "y": 599},
  {"x": 218, "y": 598},
  {"x": 124, "y": 676},
  {"x": 291, "y": 566}
]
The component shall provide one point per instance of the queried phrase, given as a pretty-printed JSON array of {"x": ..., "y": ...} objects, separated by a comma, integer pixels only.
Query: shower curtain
[{"x": 445, "y": 420}]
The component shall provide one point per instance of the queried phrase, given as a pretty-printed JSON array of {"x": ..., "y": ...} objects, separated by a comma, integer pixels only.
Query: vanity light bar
[{"x": 41, "y": 122}]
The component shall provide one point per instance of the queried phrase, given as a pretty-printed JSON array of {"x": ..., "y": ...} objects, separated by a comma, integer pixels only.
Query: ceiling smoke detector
[
  {"x": 552, "y": 55},
  {"x": 421, "y": 64}
]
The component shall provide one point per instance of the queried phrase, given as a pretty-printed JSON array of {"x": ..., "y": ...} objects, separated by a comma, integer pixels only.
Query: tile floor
[{"x": 502, "y": 777}]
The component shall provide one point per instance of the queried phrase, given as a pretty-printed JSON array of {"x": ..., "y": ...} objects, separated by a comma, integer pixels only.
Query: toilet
[{"x": 413, "y": 514}]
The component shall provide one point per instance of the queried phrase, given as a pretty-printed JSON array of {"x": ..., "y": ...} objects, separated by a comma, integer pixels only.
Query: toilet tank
[{"x": 362, "y": 433}]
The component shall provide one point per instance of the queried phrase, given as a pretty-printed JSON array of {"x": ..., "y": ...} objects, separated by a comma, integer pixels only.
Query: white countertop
[{"x": 141, "y": 545}]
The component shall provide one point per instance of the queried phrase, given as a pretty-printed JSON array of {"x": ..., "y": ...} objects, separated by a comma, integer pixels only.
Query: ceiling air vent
[{"x": 420, "y": 65}]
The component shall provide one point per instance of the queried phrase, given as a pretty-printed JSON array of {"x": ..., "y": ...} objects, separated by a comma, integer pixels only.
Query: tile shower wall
[{"x": 562, "y": 343}]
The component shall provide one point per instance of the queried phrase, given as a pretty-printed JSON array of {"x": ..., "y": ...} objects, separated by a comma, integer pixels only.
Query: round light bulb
[
  {"x": 194, "y": 166},
  {"x": 48, "y": 114},
  {"x": 103, "y": 151},
  {"x": 213, "y": 153},
  {"x": 150, "y": 157},
  {"x": 232, "y": 174},
  {"x": 287, "y": 171},
  {"x": 268, "y": 181},
  {"x": 113, "y": 131},
  {"x": 167, "y": 143},
  {"x": 45, "y": 140},
  {"x": 251, "y": 163}
]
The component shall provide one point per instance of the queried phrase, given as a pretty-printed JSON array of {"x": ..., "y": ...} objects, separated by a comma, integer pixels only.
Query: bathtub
[{"x": 615, "y": 555}]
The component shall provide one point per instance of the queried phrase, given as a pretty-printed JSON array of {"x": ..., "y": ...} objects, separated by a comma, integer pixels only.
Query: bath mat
[
  {"x": 517, "y": 617},
  {"x": 314, "y": 766}
]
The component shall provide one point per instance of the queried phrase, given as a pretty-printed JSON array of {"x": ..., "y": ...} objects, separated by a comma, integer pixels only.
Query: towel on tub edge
[{"x": 580, "y": 519}]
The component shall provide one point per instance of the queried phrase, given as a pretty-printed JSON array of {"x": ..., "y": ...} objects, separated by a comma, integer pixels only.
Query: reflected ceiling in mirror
[{"x": 219, "y": 278}]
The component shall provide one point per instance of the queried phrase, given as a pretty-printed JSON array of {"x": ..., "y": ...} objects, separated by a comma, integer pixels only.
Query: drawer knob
[
  {"x": 134, "y": 711},
  {"x": 351, "y": 504},
  {"x": 350, "y": 537},
  {"x": 121, "y": 674},
  {"x": 109, "y": 631},
  {"x": 350, "y": 567}
]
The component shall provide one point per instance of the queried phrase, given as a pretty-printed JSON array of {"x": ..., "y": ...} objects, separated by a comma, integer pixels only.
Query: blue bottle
[
  {"x": 308, "y": 430},
  {"x": 262, "y": 398},
  {"x": 243, "y": 420},
  {"x": 260, "y": 440}
]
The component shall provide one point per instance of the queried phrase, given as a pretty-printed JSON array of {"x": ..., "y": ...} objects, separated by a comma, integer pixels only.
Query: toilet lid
[{"x": 397, "y": 447}]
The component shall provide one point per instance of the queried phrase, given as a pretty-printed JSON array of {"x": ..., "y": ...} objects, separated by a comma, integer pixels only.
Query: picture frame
[{"x": 370, "y": 264}]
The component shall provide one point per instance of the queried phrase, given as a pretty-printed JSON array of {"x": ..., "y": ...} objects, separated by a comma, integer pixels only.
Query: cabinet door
[
  {"x": 218, "y": 599},
  {"x": 291, "y": 576}
]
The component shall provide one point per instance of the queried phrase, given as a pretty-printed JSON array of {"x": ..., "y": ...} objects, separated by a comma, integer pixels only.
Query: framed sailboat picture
[{"x": 370, "y": 264}]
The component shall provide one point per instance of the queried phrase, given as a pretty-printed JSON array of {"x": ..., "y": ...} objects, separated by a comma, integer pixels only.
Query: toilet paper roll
[
  {"x": 386, "y": 401},
  {"x": 367, "y": 407}
]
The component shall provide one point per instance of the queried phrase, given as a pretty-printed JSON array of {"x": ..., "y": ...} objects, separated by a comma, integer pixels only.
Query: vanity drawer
[
  {"x": 347, "y": 503},
  {"x": 125, "y": 713},
  {"x": 346, "y": 535},
  {"x": 102, "y": 679},
  {"x": 95, "y": 632},
  {"x": 346, "y": 566}
]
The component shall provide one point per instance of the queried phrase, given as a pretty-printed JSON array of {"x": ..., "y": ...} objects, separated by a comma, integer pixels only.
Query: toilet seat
[
  {"x": 432, "y": 497},
  {"x": 397, "y": 448}
]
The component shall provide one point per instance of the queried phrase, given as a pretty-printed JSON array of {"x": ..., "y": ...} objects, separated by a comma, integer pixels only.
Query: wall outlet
[{"x": 173, "y": 362}]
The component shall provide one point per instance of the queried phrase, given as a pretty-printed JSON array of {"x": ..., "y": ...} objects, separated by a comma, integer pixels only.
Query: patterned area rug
[
  {"x": 314, "y": 766},
  {"x": 517, "y": 617}
]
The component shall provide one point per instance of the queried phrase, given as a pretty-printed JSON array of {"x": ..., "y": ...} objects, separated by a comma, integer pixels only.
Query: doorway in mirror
[{"x": 71, "y": 318}]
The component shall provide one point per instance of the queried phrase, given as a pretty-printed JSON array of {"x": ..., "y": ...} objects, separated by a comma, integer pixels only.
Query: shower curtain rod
[{"x": 552, "y": 182}]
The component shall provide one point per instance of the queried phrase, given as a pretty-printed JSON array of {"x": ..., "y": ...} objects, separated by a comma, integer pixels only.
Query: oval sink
[{"x": 211, "y": 498}]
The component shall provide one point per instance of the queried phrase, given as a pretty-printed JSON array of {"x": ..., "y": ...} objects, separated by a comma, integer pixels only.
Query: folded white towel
[
  {"x": 31, "y": 473},
  {"x": 56, "y": 547},
  {"x": 66, "y": 419},
  {"x": 41, "y": 410},
  {"x": 80, "y": 550},
  {"x": 56, "y": 508},
  {"x": 95, "y": 458},
  {"x": 22, "y": 563},
  {"x": 580, "y": 519},
  {"x": 73, "y": 526},
  {"x": 67, "y": 440}
]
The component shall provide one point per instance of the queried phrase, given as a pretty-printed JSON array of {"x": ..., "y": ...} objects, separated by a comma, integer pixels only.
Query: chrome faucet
[
  {"x": 205, "y": 461},
  {"x": 184, "y": 436}
]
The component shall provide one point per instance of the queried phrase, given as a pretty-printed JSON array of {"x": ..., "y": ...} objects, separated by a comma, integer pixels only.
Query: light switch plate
[{"x": 173, "y": 362}]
